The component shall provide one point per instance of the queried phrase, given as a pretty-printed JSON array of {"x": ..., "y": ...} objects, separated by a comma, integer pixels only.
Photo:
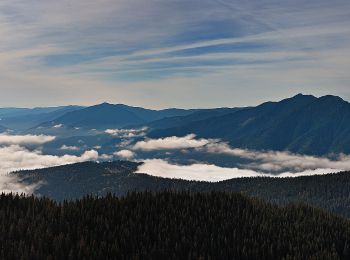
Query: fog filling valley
[{"x": 18, "y": 152}]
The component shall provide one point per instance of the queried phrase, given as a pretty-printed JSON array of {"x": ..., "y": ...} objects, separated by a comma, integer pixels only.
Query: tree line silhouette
[{"x": 168, "y": 225}]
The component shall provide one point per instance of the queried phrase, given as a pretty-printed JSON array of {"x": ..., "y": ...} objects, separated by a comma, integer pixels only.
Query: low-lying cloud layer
[
  {"x": 24, "y": 152},
  {"x": 16, "y": 156},
  {"x": 210, "y": 172},
  {"x": 10, "y": 183},
  {"x": 275, "y": 161},
  {"x": 171, "y": 143},
  {"x": 258, "y": 162}
]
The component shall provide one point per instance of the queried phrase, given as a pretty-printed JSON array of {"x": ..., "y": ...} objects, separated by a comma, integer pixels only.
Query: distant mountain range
[
  {"x": 2, "y": 129},
  {"x": 201, "y": 114},
  {"x": 106, "y": 115},
  {"x": 331, "y": 192},
  {"x": 20, "y": 119},
  {"x": 301, "y": 124}
]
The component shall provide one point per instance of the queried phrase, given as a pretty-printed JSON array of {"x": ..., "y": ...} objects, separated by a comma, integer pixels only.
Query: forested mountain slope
[
  {"x": 301, "y": 124},
  {"x": 168, "y": 226},
  {"x": 331, "y": 192},
  {"x": 202, "y": 114}
]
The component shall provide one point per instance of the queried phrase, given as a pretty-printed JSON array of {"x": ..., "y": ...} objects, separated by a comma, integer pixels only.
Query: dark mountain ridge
[
  {"x": 202, "y": 114},
  {"x": 331, "y": 191},
  {"x": 2, "y": 129},
  {"x": 302, "y": 124},
  {"x": 23, "y": 119},
  {"x": 107, "y": 115}
]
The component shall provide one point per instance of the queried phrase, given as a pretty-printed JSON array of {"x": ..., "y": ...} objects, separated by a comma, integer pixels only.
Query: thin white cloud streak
[
  {"x": 25, "y": 139},
  {"x": 171, "y": 143},
  {"x": 69, "y": 148},
  {"x": 281, "y": 36},
  {"x": 287, "y": 44},
  {"x": 38, "y": 51},
  {"x": 209, "y": 172},
  {"x": 121, "y": 65}
]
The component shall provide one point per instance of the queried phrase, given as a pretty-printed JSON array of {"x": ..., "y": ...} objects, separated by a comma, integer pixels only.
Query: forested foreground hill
[
  {"x": 168, "y": 226},
  {"x": 331, "y": 192}
]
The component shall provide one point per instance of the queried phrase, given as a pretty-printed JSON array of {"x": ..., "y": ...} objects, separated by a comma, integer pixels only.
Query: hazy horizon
[{"x": 161, "y": 108}]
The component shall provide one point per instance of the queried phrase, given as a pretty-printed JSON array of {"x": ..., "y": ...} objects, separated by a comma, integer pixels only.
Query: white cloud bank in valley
[
  {"x": 171, "y": 143},
  {"x": 16, "y": 156},
  {"x": 23, "y": 152},
  {"x": 283, "y": 163},
  {"x": 278, "y": 161},
  {"x": 209, "y": 172}
]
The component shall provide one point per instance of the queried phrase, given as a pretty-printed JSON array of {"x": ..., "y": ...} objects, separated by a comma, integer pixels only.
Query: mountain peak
[
  {"x": 332, "y": 98},
  {"x": 301, "y": 95},
  {"x": 298, "y": 99},
  {"x": 105, "y": 104}
]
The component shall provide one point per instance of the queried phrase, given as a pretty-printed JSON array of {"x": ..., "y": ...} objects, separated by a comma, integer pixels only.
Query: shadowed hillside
[
  {"x": 331, "y": 192},
  {"x": 107, "y": 115},
  {"x": 301, "y": 124},
  {"x": 168, "y": 226}
]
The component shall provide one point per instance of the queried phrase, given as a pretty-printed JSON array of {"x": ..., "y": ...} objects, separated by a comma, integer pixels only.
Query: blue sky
[{"x": 172, "y": 53}]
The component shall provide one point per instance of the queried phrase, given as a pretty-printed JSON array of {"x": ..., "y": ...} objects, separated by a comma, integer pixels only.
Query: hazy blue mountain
[
  {"x": 12, "y": 111},
  {"x": 76, "y": 180},
  {"x": 2, "y": 129},
  {"x": 113, "y": 116},
  {"x": 303, "y": 124},
  {"x": 202, "y": 114},
  {"x": 23, "y": 118},
  {"x": 15, "y": 111}
]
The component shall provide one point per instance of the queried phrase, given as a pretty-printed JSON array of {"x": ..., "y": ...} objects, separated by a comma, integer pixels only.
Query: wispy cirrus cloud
[{"x": 271, "y": 48}]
